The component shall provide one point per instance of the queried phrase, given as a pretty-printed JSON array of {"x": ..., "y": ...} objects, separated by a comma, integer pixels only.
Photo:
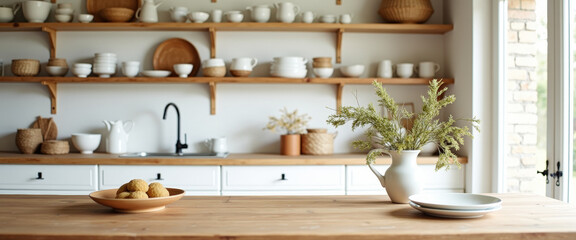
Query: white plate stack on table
[
  {"x": 104, "y": 64},
  {"x": 289, "y": 67},
  {"x": 455, "y": 205}
]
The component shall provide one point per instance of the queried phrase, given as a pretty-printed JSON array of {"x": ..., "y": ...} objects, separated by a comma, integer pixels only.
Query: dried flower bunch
[
  {"x": 426, "y": 127},
  {"x": 289, "y": 122}
]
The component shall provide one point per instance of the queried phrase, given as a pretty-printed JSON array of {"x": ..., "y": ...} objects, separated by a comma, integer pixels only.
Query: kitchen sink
[{"x": 174, "y": 155}]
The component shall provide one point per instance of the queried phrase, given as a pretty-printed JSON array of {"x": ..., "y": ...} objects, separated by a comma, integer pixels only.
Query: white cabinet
[
  {"x": 283, "y": 180},
  {"x": 361, "y": 181},
  {"x": 195, "y": 180},
  {"x": 48, "y": 179}
]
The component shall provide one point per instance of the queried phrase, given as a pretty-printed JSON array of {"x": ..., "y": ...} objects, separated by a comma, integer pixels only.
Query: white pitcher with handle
[
  {"x": 118, "y": 132},
  {"x": 402, "y": 178},
  {"x": 148, "y": 12},
  {"x": 286, "y": 11}
]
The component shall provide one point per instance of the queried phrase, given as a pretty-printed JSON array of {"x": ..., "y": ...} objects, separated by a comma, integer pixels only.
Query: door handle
[
  {"x": 159, "y": 177},
  {"x": 39, "y": 176}
]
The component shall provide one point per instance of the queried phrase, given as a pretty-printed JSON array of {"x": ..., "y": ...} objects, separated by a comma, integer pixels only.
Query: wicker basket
[
  {"x": 54, "y": 147},
  {"x": 318, "y": 143},
  {"x": 25, "y": 67},
  {"x": 406, "y": 11},
  {"x": 117, "y": 14},
  {"x": 28, "y": 140}
]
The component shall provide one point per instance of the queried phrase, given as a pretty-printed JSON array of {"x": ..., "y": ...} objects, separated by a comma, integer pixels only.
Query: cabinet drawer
[
  {"x": 283, "y": 179},
  {"x": 362, "y": 181},
  {"x": 195, "y": 180},
  {"x": 48, "y": 177}
]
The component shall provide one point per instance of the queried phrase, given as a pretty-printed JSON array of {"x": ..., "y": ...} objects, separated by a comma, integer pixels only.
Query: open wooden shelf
[
  {"x": 52, "y": 83},
  {"x": 213, "y": 28}
]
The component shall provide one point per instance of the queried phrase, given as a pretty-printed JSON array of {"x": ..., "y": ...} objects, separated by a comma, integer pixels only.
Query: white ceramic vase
[{"x": 402, "y": 178}]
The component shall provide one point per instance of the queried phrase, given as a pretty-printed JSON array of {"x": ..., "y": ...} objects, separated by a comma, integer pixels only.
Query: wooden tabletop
[
  {"x": 279, "y": 217},
  {"x": 232, "y": 159}
]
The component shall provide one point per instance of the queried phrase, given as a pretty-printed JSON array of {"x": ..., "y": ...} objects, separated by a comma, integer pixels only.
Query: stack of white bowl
[
  {"x": 64, "y": 12},
  {"x": 289, "y": 67},
  {"x": 105, "y": 64},
  {"x": 82, "y": 70}
]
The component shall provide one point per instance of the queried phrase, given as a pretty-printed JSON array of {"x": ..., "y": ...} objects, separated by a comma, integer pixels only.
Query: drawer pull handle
[
  {"x": 39, "y": 176},
  {"x": 283, "y": 177},
  {"x": 159, "y": 177}
]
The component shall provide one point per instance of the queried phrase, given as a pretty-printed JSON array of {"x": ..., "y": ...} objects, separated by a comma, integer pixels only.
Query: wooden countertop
[
  {"x": 279, "y": 217},
  {"x": 232, "y": 159}
]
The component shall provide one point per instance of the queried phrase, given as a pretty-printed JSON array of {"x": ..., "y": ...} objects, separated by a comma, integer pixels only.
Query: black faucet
[{"x": 179, "y": 145}]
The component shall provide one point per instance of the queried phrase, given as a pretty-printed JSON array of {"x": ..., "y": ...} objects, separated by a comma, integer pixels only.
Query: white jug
[
  {"x": 286, "y": 12},
  {"x": 244, "y": 63},
  {"x": 118, "y": 132},
  {"x": 7, "y": 13},
  {"x": 260, "y": 13},
  {"x": 402, "y": 178},
  {"x": 148, "y": 12}
]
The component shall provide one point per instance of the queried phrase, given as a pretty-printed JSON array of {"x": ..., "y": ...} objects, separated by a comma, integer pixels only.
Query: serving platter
[
  {"x": 174, "y": 51},
  {"x": 94, "y": 6},
  {"x": 456, "y": 201},
  {"x": 446, "y": 213},
  {"x": 108, "y": 198}
]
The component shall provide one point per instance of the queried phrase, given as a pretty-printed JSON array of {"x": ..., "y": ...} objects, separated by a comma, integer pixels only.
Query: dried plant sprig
[
  {"x": 426, "y": 127},
  {"x": 288, "y": 122}
]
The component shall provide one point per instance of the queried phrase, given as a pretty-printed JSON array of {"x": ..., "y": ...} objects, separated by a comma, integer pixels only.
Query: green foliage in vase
[
  {"x": 288, "y": 122},
  {"x": 426, "y": 127}
]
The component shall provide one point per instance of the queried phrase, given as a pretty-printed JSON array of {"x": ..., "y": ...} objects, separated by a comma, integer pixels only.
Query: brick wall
[{"x": 522, "y": 97}]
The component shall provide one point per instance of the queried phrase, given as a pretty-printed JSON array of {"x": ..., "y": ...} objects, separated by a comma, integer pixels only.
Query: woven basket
[
  {"x": 117, "y": 14},
  {"x": 406, "y": 11},
  {"x": 25, "y": 67},
  {"x": 318, "y": 143},
  {"x": 54, "y": 147},
  {"x": 28, "y": 140}
]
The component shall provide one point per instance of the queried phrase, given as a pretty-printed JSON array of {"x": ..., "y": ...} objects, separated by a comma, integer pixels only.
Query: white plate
[
  {"x": 156, "y": 73},
  {"x": 455, "y": 201},
  {"x": 454, "y": 213}
]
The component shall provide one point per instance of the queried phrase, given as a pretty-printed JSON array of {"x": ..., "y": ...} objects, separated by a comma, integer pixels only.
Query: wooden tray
[
  {"x": 174, "y": 51},
  {"x": 94, "y": 6}
]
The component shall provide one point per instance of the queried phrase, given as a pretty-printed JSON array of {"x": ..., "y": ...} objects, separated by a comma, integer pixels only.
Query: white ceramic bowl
[
  {"x": 63, "y": 17},
  {"x": 156, "y": 73},
  {"x": 235, "y": 17},
  {"x": 56, "y": 71},
  {"x": 86, "y": 143},
  {"x": 183, "y": 69},
  {"x": 288, "y": 60},
  {"x": 323, "y": 72},
  {"x": 213, "y": 62},
  {"x": 352, "y": 70},
  {"x": 328, "y": 18},
  {"x": 198, "y": 17},
  {"x": 289, "y": 73},
  {"x": 85, "y": 18},
  {"x": 429, "y": 149},
  {"x": 104, "y": 72},
  {"x": 81, "y": 72},
  {"x": 83, "y": 65},
  {"x": 36, "y": 11},
  {"x": 64, "y": 11}
]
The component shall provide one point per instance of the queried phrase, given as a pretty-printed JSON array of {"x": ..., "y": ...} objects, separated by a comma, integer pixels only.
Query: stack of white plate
[
  {"x": 289, "y": 67},
  {"x": 455, "y": 205},
  {"x": 104, "y": 64}
]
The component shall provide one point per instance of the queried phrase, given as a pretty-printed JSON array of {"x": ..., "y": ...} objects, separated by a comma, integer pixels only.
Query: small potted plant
[
  {"x": 291, "y": 125},
  {"x": 403, "y": 145}
]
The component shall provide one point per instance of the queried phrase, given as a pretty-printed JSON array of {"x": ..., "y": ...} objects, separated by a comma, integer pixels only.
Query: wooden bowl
[
  {"x": 214, "y": 71},
  {"x": 108, "y": 198},
  {"x": 117, "y": 14}
]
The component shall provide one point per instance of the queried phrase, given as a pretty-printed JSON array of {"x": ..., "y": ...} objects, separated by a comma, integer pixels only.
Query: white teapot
[
  {"x": 286, "y": 12},
  {"x": 118, "y": 132},
  {"x": 148, "y": 12}
]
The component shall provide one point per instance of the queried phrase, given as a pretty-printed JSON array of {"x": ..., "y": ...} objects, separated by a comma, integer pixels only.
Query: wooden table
[{"x": 279, "y": 217}]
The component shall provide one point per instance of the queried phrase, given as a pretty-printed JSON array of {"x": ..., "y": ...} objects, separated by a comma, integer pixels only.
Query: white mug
[
  {"x": 217, "y": 16},
  {"x": 427, "y": 69},
  {"x": 385, "y": 69},
  {"x": 404, "y": 70},
  {"x": 245, "y": 64},
  {"x": 346, "y": 18},
  {"x": 217, "y": 145}
]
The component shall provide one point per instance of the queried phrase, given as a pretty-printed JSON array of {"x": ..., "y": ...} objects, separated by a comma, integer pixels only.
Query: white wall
[{"x": 242, "y": 109}]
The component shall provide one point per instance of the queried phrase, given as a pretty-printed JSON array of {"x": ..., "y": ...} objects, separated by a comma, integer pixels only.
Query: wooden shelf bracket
[
  {"x": 338, "y": 2},
  {"x": 339, "y": 34},
  {"x": 53, "y": 89},
  {"x": 212, "y": 42},
  {"x": 339, "y": 89},
  {"x": 52, "y": 35},
  {"x": 212, "y": 98}
]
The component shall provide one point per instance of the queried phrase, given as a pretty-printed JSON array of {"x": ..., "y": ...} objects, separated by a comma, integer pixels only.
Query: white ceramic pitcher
[
  {"x": 118, "y": 132},
  {"x": 286, "y": 11},
  {"x": 7, "y": 13},
  {"x": 402, "y": 178},
  {"x": 148, "y": 12}
]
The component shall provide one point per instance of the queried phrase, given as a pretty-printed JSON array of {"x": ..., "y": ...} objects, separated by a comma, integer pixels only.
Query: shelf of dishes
[
  {"x": 338, "y": 2},
  {"x": 212, "y": 28},
  {"x": 52, "y": 83}
]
